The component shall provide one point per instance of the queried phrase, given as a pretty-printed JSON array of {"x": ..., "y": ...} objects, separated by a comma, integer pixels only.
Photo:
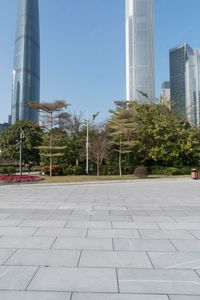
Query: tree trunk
[
  {"x": 120, "y": 158},
  {"x": 98, "y": 173}
]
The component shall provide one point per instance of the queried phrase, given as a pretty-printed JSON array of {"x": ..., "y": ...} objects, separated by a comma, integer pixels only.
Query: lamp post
[
  {"x": 21, "y": 137},
  {"x": 87, "y": 140},
  {"x": 86, "y": 122},
  {"x": 87, "y": 147}
]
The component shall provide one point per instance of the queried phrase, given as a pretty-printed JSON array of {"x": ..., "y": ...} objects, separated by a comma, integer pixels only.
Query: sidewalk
[{"x": 136, "y": 240}]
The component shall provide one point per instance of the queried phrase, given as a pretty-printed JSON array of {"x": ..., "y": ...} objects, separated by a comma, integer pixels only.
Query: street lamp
[
  {"x": 21, "y": 137},
  {"x": 87, "y": 145},
  {"x": 87, "y": 140}
]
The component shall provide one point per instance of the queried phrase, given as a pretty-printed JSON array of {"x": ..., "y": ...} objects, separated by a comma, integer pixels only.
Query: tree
[
  {"x": 153, "y": 135},
  {"x": 99, "y": 146},
  {"x": 121, "y": 127},
  {"x": 10, "y": 138},
  {"x": 165, "y": 138},
  {"x": 52, "y": 113},
  {"x": 62, "y": 151},
  {"x": 77, "y": 135}
]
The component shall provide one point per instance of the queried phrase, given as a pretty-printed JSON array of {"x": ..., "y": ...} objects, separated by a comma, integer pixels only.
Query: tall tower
[
  {"x": 140, "y": 74},
  {"x": 26, "y": 71},
  {"x": 185, "y": 82}
]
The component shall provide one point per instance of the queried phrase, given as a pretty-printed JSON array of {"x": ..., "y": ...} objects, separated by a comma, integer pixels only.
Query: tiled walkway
[{"x": 135, "y": 240}]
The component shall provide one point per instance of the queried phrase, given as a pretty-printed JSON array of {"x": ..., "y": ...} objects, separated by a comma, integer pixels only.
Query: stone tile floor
[{"x": 136, "y": 240}]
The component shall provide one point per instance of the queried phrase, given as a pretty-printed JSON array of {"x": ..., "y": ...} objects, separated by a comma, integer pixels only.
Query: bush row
[
  {"x": 142, "y": 171},
  {"x": 58, "y": 170},
  {"x": 7, "y": 170}
]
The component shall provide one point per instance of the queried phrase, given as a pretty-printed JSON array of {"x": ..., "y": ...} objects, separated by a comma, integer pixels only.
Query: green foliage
[
  {"x": 7, "y": 170},
  {"x": 59, "y": 139},
  {"x": 159, "y": 170},
  {"x": 10, "y": 138},
  {"x": 154, "y": 136},
  {"x": 141, "y": 172},
  {"x": 165, "y": 138},
  {"x": 74, "y": 170},
  {"x": 56, "y": 170}
]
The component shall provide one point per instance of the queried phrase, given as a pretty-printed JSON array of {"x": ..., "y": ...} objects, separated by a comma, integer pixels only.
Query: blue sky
[{"x": 83, "y": 49}]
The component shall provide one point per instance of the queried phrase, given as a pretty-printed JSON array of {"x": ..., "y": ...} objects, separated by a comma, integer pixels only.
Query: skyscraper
[
  {"x": 140, "y": 75},
  {"x": 26, "y": 71},
  {"x": 185, "y": 82},
  {"x": 165, "y": 94}
]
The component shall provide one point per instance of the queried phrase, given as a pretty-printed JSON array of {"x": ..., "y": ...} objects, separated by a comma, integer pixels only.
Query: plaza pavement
[{"x": 136, "y": 240}]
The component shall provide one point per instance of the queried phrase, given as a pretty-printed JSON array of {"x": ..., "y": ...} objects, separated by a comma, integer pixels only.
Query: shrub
[
  {"x": 11, "y": 170},
  {"x": 56, "y": 170},
  {"x": 3, "y": 170},
  {"x": 7, "y": 170},
  {"x": 74, "y": 170},
  {"x": 159, "y": 170},
  {"x": 141, "y": 172}
]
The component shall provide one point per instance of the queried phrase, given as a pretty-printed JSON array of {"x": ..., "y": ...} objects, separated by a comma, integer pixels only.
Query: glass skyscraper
[
  {"x": 185, "y": 82},
  {"x": 140, "y": 74},
  {"x": 26, "y": 71}
]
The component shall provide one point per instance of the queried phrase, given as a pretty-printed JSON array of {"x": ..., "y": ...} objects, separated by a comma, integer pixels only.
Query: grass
[
  {"x": 84, "y": 178},
  {"x": 89, "y": 178}
]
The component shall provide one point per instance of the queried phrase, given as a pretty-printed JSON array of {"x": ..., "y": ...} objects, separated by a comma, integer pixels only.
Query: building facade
[
  {"x": 140, "y": 74},
  {"x": 26, "y": 71},
  {"x": 166, "y": 94},
  {"x": 185, "y": 82},
  {"x": 3, "y": 127}
]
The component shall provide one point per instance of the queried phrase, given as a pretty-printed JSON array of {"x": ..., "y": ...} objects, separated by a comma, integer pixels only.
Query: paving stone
[
  {"x": 196, "y": 233},
  {"x": 28, "y": 242},
  {"x": 113, "y": 233},
  {"x": 83, "y": 244},
  {"x": 28, "y": 217},
  {"x": 198, "y": 272},
  {"x": 134, "y": 225},
  {"x": 61, "y": 232},
  {"x": 41, "y": 223},
  {"x": 184, "y": 297},
  {"x": 175, "y": 260},
  {"x": 88, "y": 224},
  {"x": 187, "y": 245},
  {"x": 95, "y": 296},
  {"x": 9, "y": 223},
  {"x": 45, "y": 258},
  {"x": 187, "y": 219},
  {"x": 150, "y": 219},
  {"x": 5, "y": 254},
  {"x": 3, "y": 216},
  {"x": 75, "y": 280},
  {"x": 165, "y": 213},
  {"x": 112, "y": 218},
  {"x": 121, "y": 212},
  {"x": 180, "y": 226},
  {"x": 143, "y": 245},
  {"x": 114, "y": 259},
  {"x": 5, "y": 295},
  {"x": 15, "y": 278},
  {"x": 16, "y": 231},
  {"x": 165, "y": 234},
  {"x": 67, "y": 217},
  {"x": 159, "y": 281}
]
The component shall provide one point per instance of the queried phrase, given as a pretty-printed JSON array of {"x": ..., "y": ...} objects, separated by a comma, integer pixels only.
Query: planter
[{"x": 19, "y": 178}]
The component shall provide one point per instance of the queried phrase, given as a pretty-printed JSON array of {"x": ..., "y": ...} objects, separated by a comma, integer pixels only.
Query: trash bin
[{"x": 194, "y": 174}]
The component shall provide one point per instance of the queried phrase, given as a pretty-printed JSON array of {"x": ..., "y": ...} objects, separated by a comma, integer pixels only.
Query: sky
[{"x": 83, "y": 49}]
